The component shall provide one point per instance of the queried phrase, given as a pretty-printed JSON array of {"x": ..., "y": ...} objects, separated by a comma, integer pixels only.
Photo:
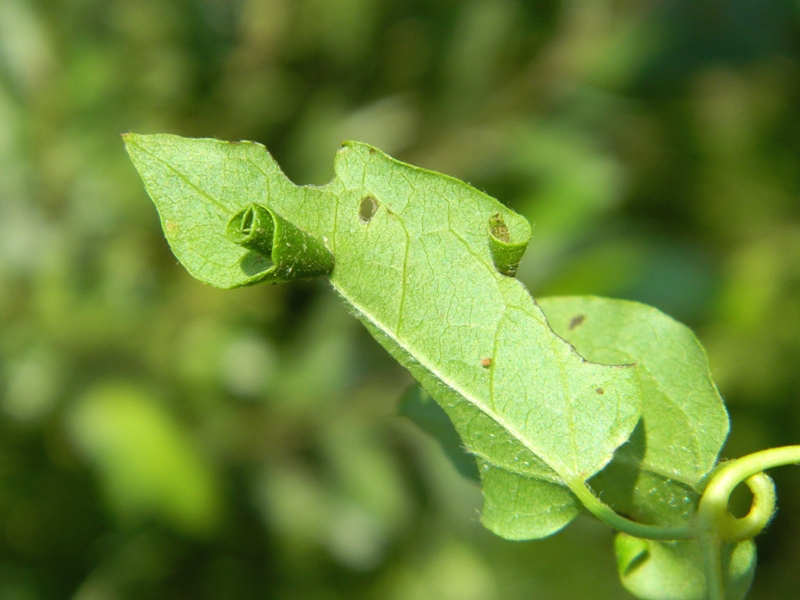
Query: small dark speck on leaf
[
  {"x": 600, "y": 391},
  {"x": 576, "y": 320},
  {"x": 486, "y": 362},
  {"x": 367, "y": 210},
  {"x": 372, "y": 150}
]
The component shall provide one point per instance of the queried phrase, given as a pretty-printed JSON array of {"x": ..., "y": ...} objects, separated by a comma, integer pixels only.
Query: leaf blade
[
  {"x": 557, "y": 418},
  {"x": 684, "y": 418},
  {"x": 523, "y": 498},
  {"x": 420, "y": 271}
]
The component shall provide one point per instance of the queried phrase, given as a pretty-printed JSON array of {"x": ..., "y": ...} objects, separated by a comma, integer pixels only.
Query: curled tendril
[
  {"x": 714, "y": 524},
  {"x": 713, "y": 513},
  {"x": 713, "y": 517},
  {"x": 761, "y": 510}
]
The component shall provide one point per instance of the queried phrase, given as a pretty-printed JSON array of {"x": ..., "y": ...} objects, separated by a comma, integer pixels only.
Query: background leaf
[
  {"x": 654, "y": 570},
  {"x": 418, "y": 406}
]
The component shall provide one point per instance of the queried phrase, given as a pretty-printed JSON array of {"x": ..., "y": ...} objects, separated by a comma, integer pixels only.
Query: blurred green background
[{"x": 163, "y": 439}]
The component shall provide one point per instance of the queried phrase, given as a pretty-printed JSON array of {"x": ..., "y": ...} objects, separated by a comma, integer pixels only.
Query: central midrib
[{"x": 426, "y": 364}]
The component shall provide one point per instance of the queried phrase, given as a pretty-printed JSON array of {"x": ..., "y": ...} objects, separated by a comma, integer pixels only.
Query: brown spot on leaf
[
  {"x": 575, "y": 321},
  {"x": 486, "y": 362},
  {"x": 600, "y": 391},
  {"x": 170, "y": 227}
]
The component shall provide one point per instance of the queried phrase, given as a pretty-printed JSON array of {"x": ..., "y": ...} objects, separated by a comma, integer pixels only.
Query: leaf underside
[
  {"x": 657, "y": 475},
  {"x": 427, "y": 267},
  {"x": 426, "y": 263}
]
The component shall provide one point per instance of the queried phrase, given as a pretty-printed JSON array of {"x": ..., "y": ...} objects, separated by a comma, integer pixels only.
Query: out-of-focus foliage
[{"x": 655, "y": 145}]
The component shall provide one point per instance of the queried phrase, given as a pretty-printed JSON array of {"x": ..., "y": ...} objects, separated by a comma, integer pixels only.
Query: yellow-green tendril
[
  {"x": 713, "y": 511},
  {"x": 715, "y": 524}
]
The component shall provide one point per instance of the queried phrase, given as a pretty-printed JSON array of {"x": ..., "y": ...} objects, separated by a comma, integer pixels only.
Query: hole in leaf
[{"x": 367, "y": 209}]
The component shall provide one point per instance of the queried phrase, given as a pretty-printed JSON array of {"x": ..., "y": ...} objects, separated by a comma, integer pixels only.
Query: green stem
[
  {"x": 606, "y": 514},
  {"x": 713, "y": 518},
  {"x": 712, "y": 563},
  {"x": 712, "y": 526}
]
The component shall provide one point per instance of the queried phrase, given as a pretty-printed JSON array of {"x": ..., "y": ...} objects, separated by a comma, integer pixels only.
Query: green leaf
[
  {"x": 524, "y": 507},
  {"x": 654, "y": 570},
  {"x": 199, "y": 186},
  {"x": 416, "y": 259},
  {"x": 655, "y": 477}
]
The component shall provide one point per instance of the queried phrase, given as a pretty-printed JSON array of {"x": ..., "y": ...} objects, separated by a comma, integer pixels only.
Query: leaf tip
[{"x": 132, "y": 141}]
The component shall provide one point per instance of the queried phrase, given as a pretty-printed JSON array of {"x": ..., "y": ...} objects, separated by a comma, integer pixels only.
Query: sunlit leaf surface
[{"x": 425, "y": 262}]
